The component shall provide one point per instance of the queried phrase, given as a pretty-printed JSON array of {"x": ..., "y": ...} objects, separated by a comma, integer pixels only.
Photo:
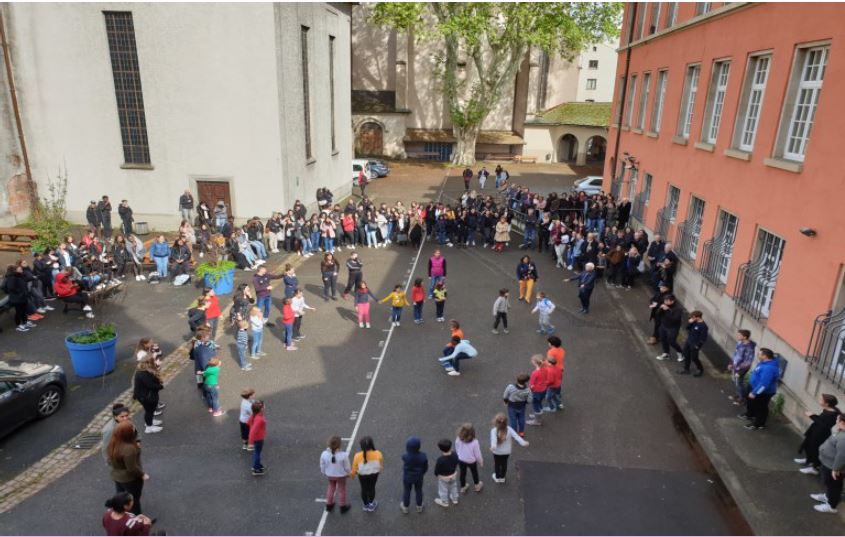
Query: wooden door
[
  {"x": 213, "y": 191},
  {"x": 370, "y": 140}
]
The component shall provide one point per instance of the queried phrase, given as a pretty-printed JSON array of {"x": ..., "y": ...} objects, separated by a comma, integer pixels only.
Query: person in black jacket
[
  {"x": 817, "y": 433},
  {"x": 623, "y": 212},
  {"x": 186, "y": 205},
  {"x": 146, "y": 387},
  {"x": 696, "y": 338},
  {"x": 663, "y": 289},
  {"x": 670, "y": 325},
  {"x": 180, "y": 254},
  {"x": 414, "y": 468},
  {"x": 104, "y": 210},
  {"x": 196, "y": 315},
  {"x": 15, "y": 286},
  {"x": 93, "y": 216},
  {"x": 125, "y": 212}
]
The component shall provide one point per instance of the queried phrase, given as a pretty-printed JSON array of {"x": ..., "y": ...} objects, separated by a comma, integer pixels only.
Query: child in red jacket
[
  {"x": 538, "y": 383},
  {"x": 555, "y": 376},
  {"x": 257, "y": 429},
  {"x": 418, "y": 297},
  {"x": 288, "y": 317}
]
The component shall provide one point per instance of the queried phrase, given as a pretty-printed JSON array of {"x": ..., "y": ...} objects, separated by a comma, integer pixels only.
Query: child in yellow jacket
[{"x": 398, "y": 300}]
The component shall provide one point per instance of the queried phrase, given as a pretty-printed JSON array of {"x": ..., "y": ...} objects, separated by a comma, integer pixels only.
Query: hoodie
[
  {"x": 764, "y": 377},
  {"x": 414, "y": 462}
]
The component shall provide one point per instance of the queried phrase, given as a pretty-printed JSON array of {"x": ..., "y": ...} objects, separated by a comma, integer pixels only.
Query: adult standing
[
  {"x": 586, "y": 283},
  {"x": 482, "y": 178},
  {"x": 670, "y": 325},
  {"x": 657, "y": 313},
  {"x": 526, "y": 273},
  {"x": 92, "y": 216},
  {"x": 261, "y": 280},
  {"x": 832, "y": 455},
  {"x": 623, "y": 212},
  {"x": 696, "y": 338},
  {"x": 328, "y": 271},
  {"x": 467, "y": 175},
  {"x": 204, "y": 215},
  {"x": 763, "y": 386},
  {"x": 186, "y": 205},
  {"x": 355, "y": 269},
  {"x": 741, "y": 361},
  {"x": 125, "y": 460},
  {"x": 14, "y": 285},
  {"x": 146, "y": 387},
  {"x": 436, "y": 271},
  {"x": 104, "y": 210},
  {"x": 126, "y": 219},
  {"x": 362, "y": 181},
  {"x": 817, "y": 433}
]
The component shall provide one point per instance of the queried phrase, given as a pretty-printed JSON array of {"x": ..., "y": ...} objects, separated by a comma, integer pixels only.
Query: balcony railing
[
  {"x": 616, "y": 187},
  {"x": 715, "y": 257},
  {"x": 755, "y": 288},
  {"x": 826, "y": 351},
  {"x": 638, "y": 207},
  {"x": 662, "y": 221},
  {"x": 686, "y": 240}
]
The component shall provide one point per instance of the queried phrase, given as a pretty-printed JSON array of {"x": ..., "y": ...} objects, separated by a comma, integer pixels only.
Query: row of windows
[
  {"x": 796, "y": 119},
  {"x": 120, "y": 32},
  {"x": 658, "y": 19}
]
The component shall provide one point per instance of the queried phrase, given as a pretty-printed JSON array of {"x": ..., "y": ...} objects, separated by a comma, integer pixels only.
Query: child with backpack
[
  {"x": 398, "y": 300},
  {"x": 418, "y": 297}
]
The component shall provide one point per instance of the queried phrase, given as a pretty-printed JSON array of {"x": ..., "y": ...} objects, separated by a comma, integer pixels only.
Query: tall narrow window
[
  {"x": 726, "y": 238},
  {"x": 671, "y": 14},
  {"x": 672, "y": 199},
  {"x": 120, "y": 31},
  {"x": 306, "y": 95},
  {"x": 641, "y": 20},
  {"x": 647, "y": 188},
  {"x": 688, "y": 103},
  {"x": 542, "y": 81},
  {"x": 690, "y": 231},
  {"x": 643, "y": 101},
  {"x": 702, "y": 7},
  {"x": 659, "y": 99},
  {"x": 654, "y": 21},
  {"x": 715, "y": 101},
  {"x": 331, "y": 88},
  {"x": 619, "y": 86},
  {"x": 752, "y": 101},
  {"x": 591, "y": 83},
  {"x": 629, "y": 105},
  {"x": 812, "y": 64}
]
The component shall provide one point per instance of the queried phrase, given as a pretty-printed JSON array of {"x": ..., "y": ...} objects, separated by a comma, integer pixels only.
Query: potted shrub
[
  {"x": 220, "y": 276},
  {"x": 92, "y": 351}
]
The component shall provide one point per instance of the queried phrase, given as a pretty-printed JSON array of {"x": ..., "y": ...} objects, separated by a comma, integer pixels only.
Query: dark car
[
  {"x": 379, "y": 166},
  {"x": 29, "y": 390}
]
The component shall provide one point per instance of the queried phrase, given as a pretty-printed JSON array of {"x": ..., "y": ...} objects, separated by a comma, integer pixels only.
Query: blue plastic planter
[
  {"x": 224, "y": 286},
  {"x": 91, "y": 360}
]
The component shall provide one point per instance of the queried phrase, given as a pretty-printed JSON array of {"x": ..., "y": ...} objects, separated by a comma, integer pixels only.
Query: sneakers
[
  {"x": 495, "y": 331},
  {"x": 662, "y": 357},
  {"x": 30, "y": 324},
  {"x": 820, "y": 497},
  {"x": 497, "y": 479},
  {"x": 680, "y": 358},
  {"x": 254, "y": 357},
  {"x": 86, "y": 308},
  {"x": 344, "y": 509},
  {"x": 360, "y": 325},
  {"x": 800, "y": 460},
  {"x": 441, "y": 503},
  {"x": 453, "y": 373},
  {"x": 218, "y": 413},
  {"x": 89, "y": 315},
  {"x": 247, "y": 367},
  {"x": 42, "y": 311},
  {"x": 403, "y": 508},
  {"x": 143, "y": 278},
  {"x": 752, "y": 427},
  {"x": 809, "y": 470},
  {"x": 291, "y": 348},
  {"x": 157, "y": 422},
  {"x": 368, "y": 325},
  {"x": 157, "y": 413},
  {"x": 420, "y": 509},
  {"x": 150, "y": 429},
  {"x": 824, "y": 508},
  {"x": 506, "y": 331},
  {"x": 744, "y": 416},
  {"x": 464, "y": 489},
  {"x": 22, "y": 328},
  {"x": 49, "y": 308},
  {"x": 479, "y": 486},
  {"x": 652, "y": 341},
  {"x": 260, "y": 471},
  {"x": 137, "y": 278}
]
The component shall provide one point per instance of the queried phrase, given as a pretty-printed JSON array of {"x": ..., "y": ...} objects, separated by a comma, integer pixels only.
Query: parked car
[
  {"x": 589, "y": 185},
  {"x": 28, "y": 391},
  {"x": 361, "y": 164},
  {"x": 379, "y": 166}
]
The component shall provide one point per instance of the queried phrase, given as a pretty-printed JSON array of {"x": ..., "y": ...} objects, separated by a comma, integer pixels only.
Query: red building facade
[{"x": 725, "y": 137}]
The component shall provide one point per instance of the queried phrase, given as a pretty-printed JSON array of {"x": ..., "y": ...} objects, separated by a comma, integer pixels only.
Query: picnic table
[{"x": 19, "y": 238}]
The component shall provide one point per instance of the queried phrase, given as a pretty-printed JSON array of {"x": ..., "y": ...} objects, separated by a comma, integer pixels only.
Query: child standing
[
  {"x": 242, "y": 340},
  {"x": 367, "y": 465},
  {"x": 257, "y": 429},
  {"x": 440, "y": 300},
  {"x": 288, "y": 317},
  {"x": 211, "y": 387},
  {"x": 247, "y": 398},
  {"x": 446, "y": 471},
  {"x": 500, "y": 444},
  {"x": 334, "y": 464},
  {"x": 418, "y": 297},
  {"x": 516, "y": 396},
  {"x": 256, "y": 325},
  {"x": 299, "y": 306},
  {"x": 398, "y": 300},
  {"x": 557, "y": 352},
  {"x": 469, "y": 456},
  {"x": 538, "y": 384},
  {"x": 555, "y": 377},
  {"x": 362, "y": 303},
  {"x": 544, "y": 307},
  {"x": 414, "y": 467},
  {"x": 500, "y": 311}
]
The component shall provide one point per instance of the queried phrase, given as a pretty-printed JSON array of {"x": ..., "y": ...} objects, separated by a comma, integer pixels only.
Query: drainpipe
[
  {"x": 33, "y": 198},
  {"x": 632, "y": 23}
]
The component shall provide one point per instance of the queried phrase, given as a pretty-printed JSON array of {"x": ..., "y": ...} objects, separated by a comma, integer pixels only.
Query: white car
[
  {"x": 589, "y": 185},
  {"x": 362, "y": 164}
]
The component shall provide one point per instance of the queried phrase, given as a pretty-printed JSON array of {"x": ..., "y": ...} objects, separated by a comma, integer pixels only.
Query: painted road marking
[{"x": 369, "y": 375}]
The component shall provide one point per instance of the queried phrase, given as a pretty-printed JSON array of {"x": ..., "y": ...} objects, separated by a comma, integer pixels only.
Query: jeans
[
  {"x": 263, "y": 303},
  {"x": 257, "y": 336},
  {"x": 213, "y": 322},
  {"x": 336, "y": 484},
  {"x": 315, "y": 240},
  {"x": 738, "y": 379},
  {"x": 530, "y": 233},
  {"x": 447, "y": 489},
  {"x": 396, "y": 314},
  {"x": 329, "y": 244},
  {"x": 500, "y": 465},
  {"x": 456, "y": 361},
  {"x": 368, "y": 488},
  {"x": 242, "y": 355},
  {"x": 546, "y": 324},
  {"x": 219, "y": 222},
  {"x": 161, "y": 266},
  {"x": 537, "y": 401},
  {"x": 259, "y": 247},
  {"x": 600, "y": 223},
  {"x": 516, "y": 417},
  {"x": 406, "y": 493},
  {"x": 473, "y": 468},
  {"x": 92, "y": 281},
  {"x": 212, "y": 396},
  {"x": 329, "y": 284},
  {"x": 669, "y": 338},
  {"x": 418, "y": 311},
  {"x": 553, "y": 397},
  {"x": 187, "y": 214},
  {"x": 432, "y": 284},
  {"x": 249, "y": 255},
  {"x": 441, "y": 236},
  {"x": 288, "y": 334},
  {"x": 389, "y": 231},
  {"x": 306, "y": 245},
  {"x": 258, "y": 445},
  {"x": 372, "y": 239}
]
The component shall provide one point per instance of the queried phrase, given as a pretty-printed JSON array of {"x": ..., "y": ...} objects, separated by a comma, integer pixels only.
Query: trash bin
[{"x": 141, "y": 228}]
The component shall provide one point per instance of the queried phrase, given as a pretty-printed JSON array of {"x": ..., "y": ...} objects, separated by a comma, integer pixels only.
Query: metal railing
[
  {"x": 686, "y": 240},
  {"x": 661, "y": 222},
  {"x": 715, "y": 256},
  {"x": 826, "y": 351},
  {"x": 755, "y": 288},
  {"x": 616, "y": 187},
  {"x": 638, "y": 207}
]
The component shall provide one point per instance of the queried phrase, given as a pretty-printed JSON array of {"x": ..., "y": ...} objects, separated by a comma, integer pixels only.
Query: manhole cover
[{"x": 87, "y": 441}]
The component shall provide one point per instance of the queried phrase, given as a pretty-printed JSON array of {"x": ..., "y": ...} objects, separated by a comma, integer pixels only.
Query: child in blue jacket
[{"x": 414, "y": 467}]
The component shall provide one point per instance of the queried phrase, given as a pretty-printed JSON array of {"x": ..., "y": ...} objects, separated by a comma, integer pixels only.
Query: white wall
[{"x": 606, "y": 55}]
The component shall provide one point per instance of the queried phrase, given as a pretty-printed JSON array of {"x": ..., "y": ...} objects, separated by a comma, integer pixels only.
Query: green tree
[{"x": 494, "y": 38}]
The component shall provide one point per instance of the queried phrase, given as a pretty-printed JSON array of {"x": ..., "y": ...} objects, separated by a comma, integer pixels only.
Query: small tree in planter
[
  {"x": 219, "y": 275},
  {"x": 92, "y": 352}
]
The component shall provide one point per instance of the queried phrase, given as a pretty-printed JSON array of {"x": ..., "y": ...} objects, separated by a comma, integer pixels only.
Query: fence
[
  {"x": 755, "y": 287},
  {"x": 638, "y": 207},
  {"x": 826, "y": 351},
  {"x": 661, "y": 222}
]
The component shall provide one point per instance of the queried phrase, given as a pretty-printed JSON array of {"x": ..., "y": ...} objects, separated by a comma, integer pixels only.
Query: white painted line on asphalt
[
  {"x": 385, "y": 329},
  {"x": 384, "y": 345},
  {"x": 346, "y": 439},
  {"x": 362, "y": 393},
  {"x": 376, "y": 358},
  {"x": 320, "y": 500},
  {"x": 369, "y": 375}
]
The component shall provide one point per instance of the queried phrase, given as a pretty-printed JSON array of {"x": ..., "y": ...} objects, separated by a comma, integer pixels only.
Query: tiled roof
[
  {"x": 586, "y": 114},
  {"x": 446, "y": 136}
]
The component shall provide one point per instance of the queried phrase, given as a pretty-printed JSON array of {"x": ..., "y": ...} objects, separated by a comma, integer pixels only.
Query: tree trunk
[{"x": 464, "y": 154}]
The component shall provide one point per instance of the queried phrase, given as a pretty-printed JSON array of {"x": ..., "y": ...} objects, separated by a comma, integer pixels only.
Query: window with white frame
[
  {"x": 641, "y": 22},
  {"x": 809, "y": 72},
  {"x": 647, "y": 188},
  {"x": 726, "y": 236},
  {"x": 693, "y": 224},
  {"x": 672, "y": 199},
  {"x": 591, "y": 83},
  {"x": 632, "y": 183},
  {"x": 629, "y": 105},
  {"x": 688, "y": 100},
  {"x": 702, "y": 7},
  {"x": 659, "y": 99},
  {"x": 715, "y": 101},
  {"x": 671, "y": 14},
  {"x": 643, "y": 101},
  {"x": 654, "y": 20},
  {"x": 752, "y": 101},
  {"x": 769, "y": 258}
]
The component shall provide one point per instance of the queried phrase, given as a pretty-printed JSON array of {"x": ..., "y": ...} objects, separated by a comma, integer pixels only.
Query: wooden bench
[
  {"x": 422, "y": 154},
  {"x": 499, "y": 156},
  {"x": 523, "y": 158},
  {"x": 96, "y": 296},
  {"x": 19, "y": 239},
  {"x": 14, "y": 246}
]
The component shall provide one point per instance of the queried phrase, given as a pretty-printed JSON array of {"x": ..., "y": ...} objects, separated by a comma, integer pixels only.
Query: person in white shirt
[
  {"x": 299, "y": 306},
  {"x": 501, "y": 437},
  {"x": 544, "y": 307},
  {"x": 334, "y": 464}
]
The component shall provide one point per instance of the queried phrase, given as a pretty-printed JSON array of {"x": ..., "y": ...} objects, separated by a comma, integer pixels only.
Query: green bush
[
  {"x": 100, "y": 334},
  {"x": 214, "y": 271},
  {"x": 49, "y": 219}
]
